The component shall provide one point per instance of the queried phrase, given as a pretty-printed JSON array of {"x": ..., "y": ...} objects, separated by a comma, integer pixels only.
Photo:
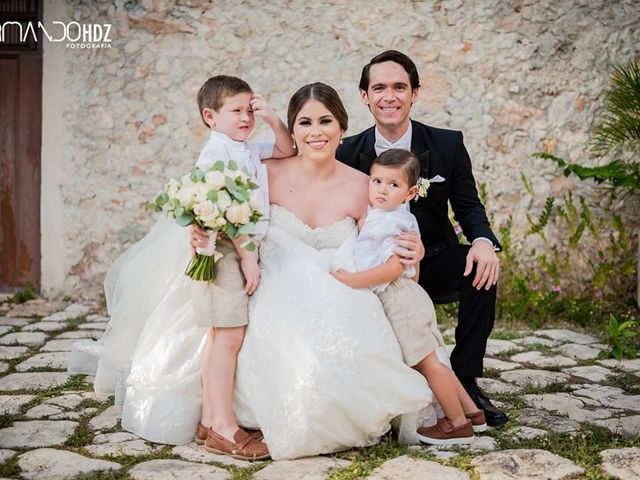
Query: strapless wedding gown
[{"x": 320, "y": 369}]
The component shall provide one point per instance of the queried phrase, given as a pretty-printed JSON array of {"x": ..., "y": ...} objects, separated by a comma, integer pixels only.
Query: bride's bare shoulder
[
  {"x": 274, "y": 166},
  {"x": 355, "y": 188},
  {"x": 354, "y": 177}
]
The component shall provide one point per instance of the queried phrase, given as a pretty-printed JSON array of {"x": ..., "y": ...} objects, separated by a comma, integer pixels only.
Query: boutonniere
[{"x": 423, "y": 185}]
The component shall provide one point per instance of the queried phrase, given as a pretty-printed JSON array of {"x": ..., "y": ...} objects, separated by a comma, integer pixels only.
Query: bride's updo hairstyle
[{"x": 322, "y": 93}]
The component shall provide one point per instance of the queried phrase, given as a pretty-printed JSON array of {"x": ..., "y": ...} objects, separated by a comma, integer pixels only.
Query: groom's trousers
[{"x": 442, "y": 276}]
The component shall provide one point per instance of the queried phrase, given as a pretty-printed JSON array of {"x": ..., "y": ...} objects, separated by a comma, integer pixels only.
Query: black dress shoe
[{"x": 495, "y": 417}]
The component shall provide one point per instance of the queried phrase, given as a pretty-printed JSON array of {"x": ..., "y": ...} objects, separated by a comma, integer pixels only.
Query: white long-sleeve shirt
[
  {"x": 249, "y": 155},
  {"x": 375, "y": 243}
]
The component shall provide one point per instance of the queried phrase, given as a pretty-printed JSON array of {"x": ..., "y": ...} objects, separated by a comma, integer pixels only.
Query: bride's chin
[{"x": 320, "y": 157}]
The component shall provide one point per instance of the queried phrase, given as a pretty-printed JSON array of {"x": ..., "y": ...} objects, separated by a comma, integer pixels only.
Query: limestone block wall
[{"x": 514, "y": 76}]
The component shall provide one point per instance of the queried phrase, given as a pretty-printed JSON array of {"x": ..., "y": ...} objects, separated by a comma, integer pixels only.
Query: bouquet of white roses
[{"x": 220, "y": 199}]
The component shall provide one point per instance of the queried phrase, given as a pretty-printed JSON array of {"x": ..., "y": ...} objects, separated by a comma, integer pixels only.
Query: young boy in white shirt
[{"x": 228, "y": 107}]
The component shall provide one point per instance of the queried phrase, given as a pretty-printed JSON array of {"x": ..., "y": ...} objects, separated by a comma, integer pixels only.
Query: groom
[{"x": 389, "y": 86}]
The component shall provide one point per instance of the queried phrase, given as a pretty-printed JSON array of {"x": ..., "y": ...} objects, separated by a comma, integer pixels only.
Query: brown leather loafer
[
  {"x": 202, "y": 432},
  {"x": 243, "y": 447},
  {"x": 478, "y": 421},
  {"x": 445, "y": 433},
  {"x": 257, "y": 434}
]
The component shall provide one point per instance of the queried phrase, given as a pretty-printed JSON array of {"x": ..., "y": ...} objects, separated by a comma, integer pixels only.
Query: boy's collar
[
  {"x": 227, "y": 139},
  {"x": 403, "y": 206}
]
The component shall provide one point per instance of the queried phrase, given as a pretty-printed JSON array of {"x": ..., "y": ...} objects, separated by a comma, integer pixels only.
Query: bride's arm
[{"x": 359, "y": 198}]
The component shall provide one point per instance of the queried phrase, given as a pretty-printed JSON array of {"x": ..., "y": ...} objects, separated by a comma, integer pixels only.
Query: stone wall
[{"x": 515, "y": 77}]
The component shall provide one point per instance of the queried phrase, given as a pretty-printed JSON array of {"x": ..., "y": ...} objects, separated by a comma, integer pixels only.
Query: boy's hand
[
  {"x": 251, "y": 272},
  {"x": 344, "y": 276},
  {"x": 199, "y": 238},
  {"x": 263, "y": 110}
]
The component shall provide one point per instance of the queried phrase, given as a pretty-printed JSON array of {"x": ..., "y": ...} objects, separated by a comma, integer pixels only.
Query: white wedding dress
[{"x": 320, "y": 369}]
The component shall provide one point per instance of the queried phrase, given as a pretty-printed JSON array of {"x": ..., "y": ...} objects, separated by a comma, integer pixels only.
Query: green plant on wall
[
  {"x": 618, "y": 131},
  {"x": 619, "y": 128},
  {"x": 589, "y": 271}
]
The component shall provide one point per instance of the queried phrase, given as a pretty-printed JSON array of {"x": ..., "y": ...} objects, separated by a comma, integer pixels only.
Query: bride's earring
[
  {"x": 295, "y": 147},
  {"x": 341, "y": 141}
]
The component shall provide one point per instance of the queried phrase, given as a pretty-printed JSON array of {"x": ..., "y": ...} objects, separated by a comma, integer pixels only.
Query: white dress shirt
[
  {"x": 247, "y": 155},
  {"x": 375, "y": 243},
  {"x": 404, "y": 142},
  {"x": 382, "y": 144}
]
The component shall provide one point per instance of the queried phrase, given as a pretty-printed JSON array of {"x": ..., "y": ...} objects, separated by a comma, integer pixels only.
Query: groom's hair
[
  {"x": 391, "y": 56},
  {"x": 215, "y": 90},
  {"x": 400, "y": 158}
]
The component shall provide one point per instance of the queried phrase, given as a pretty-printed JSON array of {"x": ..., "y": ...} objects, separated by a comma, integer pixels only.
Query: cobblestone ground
[{"x": 572, "y": 416}]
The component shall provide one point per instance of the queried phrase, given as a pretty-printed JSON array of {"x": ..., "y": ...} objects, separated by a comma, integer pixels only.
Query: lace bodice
[{"x": 326, "y": 236}]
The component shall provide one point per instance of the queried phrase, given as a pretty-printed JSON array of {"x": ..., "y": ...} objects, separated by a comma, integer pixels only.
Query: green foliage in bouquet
[{"x": 221, "y": 199}]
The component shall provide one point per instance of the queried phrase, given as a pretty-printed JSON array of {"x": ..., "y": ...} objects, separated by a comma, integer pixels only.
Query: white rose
[
  {"x": 201, "y": 191},
  {"x": 172, "y": 187},
  {"x": 215, "y": 180},
  {"x": 224, "y": 200},
  {"x": 186, "y": 180},
  {"x": 185, "y": 195},
  {"x": 256, "y": 200},
  {"x": 214, "y": 224},
  {"x": 239, "y": 214},
  {"x": 206, "y": 210}
]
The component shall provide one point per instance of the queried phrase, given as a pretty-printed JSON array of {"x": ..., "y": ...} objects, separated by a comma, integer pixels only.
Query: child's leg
[
  {"x": 218, "y": 379},
  {"x": 444, "y": 385},
  {"x": 468, "y": 405}
]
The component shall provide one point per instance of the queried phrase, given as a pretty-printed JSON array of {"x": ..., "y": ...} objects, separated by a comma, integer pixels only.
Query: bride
[{"x": 320, "y": 369}]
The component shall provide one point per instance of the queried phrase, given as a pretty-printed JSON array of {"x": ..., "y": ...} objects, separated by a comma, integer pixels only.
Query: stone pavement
[{"x": 573, "y": 416}]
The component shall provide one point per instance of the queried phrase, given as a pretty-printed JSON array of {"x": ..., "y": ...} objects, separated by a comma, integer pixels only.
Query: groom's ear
[
  {"x": 364, "y": 97},
  {"x": 415, "y": 93}
]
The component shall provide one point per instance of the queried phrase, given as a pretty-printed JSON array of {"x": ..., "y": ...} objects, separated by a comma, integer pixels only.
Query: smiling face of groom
[{"x": 389, "y": 89}]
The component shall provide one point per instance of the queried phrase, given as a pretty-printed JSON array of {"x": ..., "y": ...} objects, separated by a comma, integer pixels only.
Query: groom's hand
[
  {"x": 411, "y": 249},
  {"x": 488, "y": 268}
]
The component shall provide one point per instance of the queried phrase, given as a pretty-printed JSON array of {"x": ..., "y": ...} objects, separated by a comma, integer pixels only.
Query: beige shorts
[
  {"x": 223, "y": 302},
  {"x": 413, "y": 319}
]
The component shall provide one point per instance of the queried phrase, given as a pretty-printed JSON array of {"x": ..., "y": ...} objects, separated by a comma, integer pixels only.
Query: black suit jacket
[{"x": 440, "y": 152}]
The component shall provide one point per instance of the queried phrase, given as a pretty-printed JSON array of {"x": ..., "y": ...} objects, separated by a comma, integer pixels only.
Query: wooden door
[{"x": 20, "y": 142}]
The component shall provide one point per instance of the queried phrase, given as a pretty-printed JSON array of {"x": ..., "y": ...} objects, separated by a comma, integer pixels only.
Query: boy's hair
[
  {"x": 214, "y": 91},
  {"x": 400, "y": 158},
  {"x": 391, "y": 56}
]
